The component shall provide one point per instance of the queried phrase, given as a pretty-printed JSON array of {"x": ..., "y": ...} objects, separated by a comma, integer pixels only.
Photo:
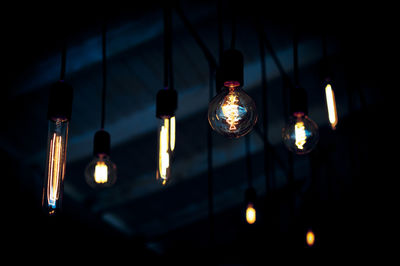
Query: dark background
[{"x": 343, "y": 190}]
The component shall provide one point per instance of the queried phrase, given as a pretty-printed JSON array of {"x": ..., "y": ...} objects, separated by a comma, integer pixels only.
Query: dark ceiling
[{"x": 333, "y": 188}]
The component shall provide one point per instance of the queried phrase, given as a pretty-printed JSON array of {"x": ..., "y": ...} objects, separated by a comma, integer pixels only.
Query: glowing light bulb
[
  {"x": 300, "y": 134},
  {"x": 310, "y": 238},
  {"x": 101, "y": 172},
  {"x": 59, "y": 114},
  {"x": 232, "y": 113},
  {"x": 331, "y": 106},
  {"x": 166, "y": 145},
  {"x": 56, "y": 158},
  {"x": 250, "y": 214}
]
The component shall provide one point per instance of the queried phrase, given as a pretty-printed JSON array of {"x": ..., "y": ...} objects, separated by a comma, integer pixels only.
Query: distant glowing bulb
[
  {"x": 310, "y": 238},
  {"x": 250, "y": 214},
  {"x": 101, "y": 172},
  {"x": 331, "y": 105},
  {"x": 232, "y": 112}
]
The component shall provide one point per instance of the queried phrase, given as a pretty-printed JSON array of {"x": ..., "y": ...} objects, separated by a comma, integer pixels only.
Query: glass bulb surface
[
  {"x": 166, "y": 146},
  {"x": 101, "y": 172},
  {"x": 55, "y": 165},
  {"x": 300, "y": 134},
  {"x": 232, "y": 113}
]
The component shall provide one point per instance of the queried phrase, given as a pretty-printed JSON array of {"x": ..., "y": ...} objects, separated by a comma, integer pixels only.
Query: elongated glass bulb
[
  {"x": 331, "y": 106},
  {"x": 250, "y": 214},
  {"x": 55, "y": 165},
  {"x": 166, "y": 145}
]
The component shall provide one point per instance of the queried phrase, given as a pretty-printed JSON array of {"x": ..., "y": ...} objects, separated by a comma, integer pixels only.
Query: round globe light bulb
[
  {"x": 232, "y": 113},
  {"x": 101, "y": 172},
  {"x": 300, "y": 134}
]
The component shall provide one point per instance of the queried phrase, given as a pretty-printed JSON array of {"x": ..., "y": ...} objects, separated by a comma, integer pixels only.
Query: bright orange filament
[
  {"x": 230, "y": 109},
  {"x": 55, "y": 171}
]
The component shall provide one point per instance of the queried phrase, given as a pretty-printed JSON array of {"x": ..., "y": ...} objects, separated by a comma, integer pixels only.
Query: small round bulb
[
  {"x": 300, "y": 134},
  {"x": 101, "y": 172},
  {"x": 232, "y": 113}
]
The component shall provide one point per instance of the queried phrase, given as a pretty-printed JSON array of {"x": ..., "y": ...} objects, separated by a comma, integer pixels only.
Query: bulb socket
[
  {"x": 250, "y": 195},
  {"x": 101, "y": 143},
  {"x": 298, "y": 101},
  {"x": 166, "y": 103},
  {"x": 60, "y": 101},
  {"x": 231, "y": 70}
]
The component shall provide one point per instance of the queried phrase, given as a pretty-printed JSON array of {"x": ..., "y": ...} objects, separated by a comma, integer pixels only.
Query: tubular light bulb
[
  {"x": 56, "y": 158},
  {"x": 232, "y": 113},
  {"x": 300, "y": 134},
  {"x": 166, "y": 145},
  {"x": 331, "y": 105},
  {"x": 310, "y": 238},
  {"x": 250, "y": 214}
]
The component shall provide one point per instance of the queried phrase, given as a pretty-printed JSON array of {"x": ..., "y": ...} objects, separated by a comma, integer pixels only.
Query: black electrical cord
[
  {"x": 63, "y": 60},
  {"x": 249, "y": 168},
  {"x": 267, "y": 156},
  {"x": 104, "y": 66},
  {"x": 295, "y": 57},
  {"x": 233, "y": 16},
  {"x": 168, "y": 72}
]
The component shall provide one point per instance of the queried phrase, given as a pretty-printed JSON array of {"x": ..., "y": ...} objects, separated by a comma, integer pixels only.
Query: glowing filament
[
  {"x": 172, "y": 140},
  {"x": 250, "y": 214},
  {"x": 310, "y": 238},
  {"x": 300, "y": 135},
  {"x": 163, "y": 155},
  {"x": 230, "y": 109},
  {"x": 55, "y": 171},
  {"x": 331, "y": 105},
  {"x": 101, "y": 173}
]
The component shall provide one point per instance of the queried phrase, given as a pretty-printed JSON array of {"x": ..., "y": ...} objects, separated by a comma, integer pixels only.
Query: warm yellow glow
[
  {"x": 331, "y": 105},
  {"x": 230, "y": 109},
  {"x": 300, "y": 135},
  {"x": 101, "y": 173},
  {"x": 163, "y": 154},
  {"x": 250, "y": 214},
  {"x": 54, "y": 171},
  {"x": 310, "y": 237},
  {"x": 172, "y": 139}
]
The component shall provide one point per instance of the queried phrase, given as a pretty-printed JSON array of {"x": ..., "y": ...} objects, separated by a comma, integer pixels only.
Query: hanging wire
[
  {"x": 295, "y": 57},
  {"x": 267, "y": 156},
  {"x": 249, "y": 169},
  {"x": 233, "y": 16},
  {"x": 168, "y": 72},
  {"x": 63, "y": 60},
  {"x": 104, "y": 65}
]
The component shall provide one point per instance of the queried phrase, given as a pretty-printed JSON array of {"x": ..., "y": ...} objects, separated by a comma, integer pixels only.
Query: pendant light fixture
[
  {"x": 250, "y": 194},
  {"x": 232, "y": 112},
  {"x": 329, "y": 93},
  {"x": 166, "y": 104},
  {"x": 59, "y": 115},
  {"x": 300, "y": 134},
  {"x": 101, "y": 172}
]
